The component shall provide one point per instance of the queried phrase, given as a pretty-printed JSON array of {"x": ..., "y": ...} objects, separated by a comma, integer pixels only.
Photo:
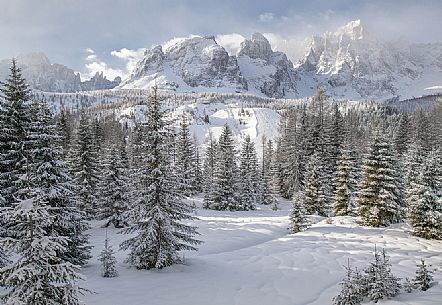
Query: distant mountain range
[
  {"x": 42, "y": 75},
  {"x": 350, "y": 63}
]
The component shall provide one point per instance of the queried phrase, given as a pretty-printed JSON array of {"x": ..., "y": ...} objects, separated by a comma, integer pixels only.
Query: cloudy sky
[{"x": 91, "y": 35}]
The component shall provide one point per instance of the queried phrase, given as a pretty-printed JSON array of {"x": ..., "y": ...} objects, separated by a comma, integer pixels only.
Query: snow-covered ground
[{"x": 249, "y": 258}]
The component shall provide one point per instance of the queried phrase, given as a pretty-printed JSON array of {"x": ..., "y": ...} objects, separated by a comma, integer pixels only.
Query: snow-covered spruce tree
[
  {"x": 350, "y": 293},
  {"x": 379, "y": 281},
  {"x": 15, "y": 117},
  {"x": 425, "y": 201},
  {"x": 38, "y": 276},
  {"x": 210, "y": 160},
  {"x": 297, "y": 217},
  {"x": 114, "y": 187},
  {"x": 197, "y": 169},
  {"x": 268, "y": 180},
  {"x": 84, "y": 164},
  {"x": 315, "y": 199},
  {"x": 225, "y": 188},
  {"x": 345, "y": 182},
  {"x": 50, "y": 176},
  {"x": 379, "y": 195},
  {"x": 402, "y": 138},
  {"x": 185, "y": 160},
  {"x": 64, "y": 126},
  {"x": 158, "y": 212},
  {"x": 108, "y": 260},
  {"x": 423, "y": 277},
  {"x": 248, "y": 172}
]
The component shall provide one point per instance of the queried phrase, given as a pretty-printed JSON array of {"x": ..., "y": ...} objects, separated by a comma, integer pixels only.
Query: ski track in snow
[{"x": 249, "y": 258}]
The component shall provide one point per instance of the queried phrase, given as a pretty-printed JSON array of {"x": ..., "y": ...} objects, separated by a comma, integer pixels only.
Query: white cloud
[
  {"x": 131, "y": 57},
  {"x": 266, "y": 17},
  {"x": 94, "y": 65},
  {"x": 294, "y": 48},
  {"x": 230, "y": 42}
]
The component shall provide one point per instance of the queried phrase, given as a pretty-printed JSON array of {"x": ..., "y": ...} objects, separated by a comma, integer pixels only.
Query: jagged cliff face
[
  {"x": 267, "y": 72},
  {"x": 351, "y": 63},
  {"x": 200, "y": 64},
  {"x": 100, "y": 82},
  {"x": 188, "y": 64},
  {"x": 43, "y": 76}
]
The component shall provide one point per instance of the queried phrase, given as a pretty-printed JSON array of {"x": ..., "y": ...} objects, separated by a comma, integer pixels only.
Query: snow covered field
[{"x": 248, "y": 258}]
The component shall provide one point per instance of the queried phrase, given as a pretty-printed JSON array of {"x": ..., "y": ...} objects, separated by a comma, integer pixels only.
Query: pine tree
[
  {"x": 408, "y": 285},
  {"x": 379, "y": 197},
  {"x": 186, "y": 159},
  {"x": 345, "y": 181},
  {"x": 298, "y": 220},
  {"x": 84, "y": 165},
  {"x": 315, "y": 200},
  {"x": 248, "y": 171},
  {"x": 49, "y": 174},
  {"x": 423, "y": 277},
  {"x": 268, "y": 177},
  {"x": 379, "y": 281},
  {"x": 225, "y": 191},
  {"x": 350, "y": 293},
  {"x": 38, "y": 276},
  {"x": 210, "y": 160},
  {"x": 402, "y": 138},
  {"x": 114, "y": 188},
  {"x": 158, "y": 212},
  {"x": 424, "y": 200},
  {"x": 15, "y": 119},
  {"x": 108, "y": 260}
]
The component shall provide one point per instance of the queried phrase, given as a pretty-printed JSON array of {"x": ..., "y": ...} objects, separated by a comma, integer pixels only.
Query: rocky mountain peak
[{"x": 257, "y": 47}]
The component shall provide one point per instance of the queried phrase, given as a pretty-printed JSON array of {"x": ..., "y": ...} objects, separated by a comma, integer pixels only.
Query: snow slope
[{"x": 248, "y": 258}]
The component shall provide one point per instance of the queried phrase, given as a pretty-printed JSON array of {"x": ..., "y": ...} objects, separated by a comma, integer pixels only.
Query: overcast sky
[{"x": 88, "y": 35}]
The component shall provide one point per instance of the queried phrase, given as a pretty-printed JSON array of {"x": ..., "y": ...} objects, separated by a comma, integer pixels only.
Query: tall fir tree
[
  {"x": 114, "y": 187},
  {"x": 345, "y": 181},
  {"x": 209, "y": 166},
  {"x": 158, "y": 213},
  {"x": 314, "y": 192},
  {"x": 84, "y": 163},
  {"x": 185, "y": 160},
  {"x": 15, "y": 119},
  {"x": 225, "y": 188},
  {"x": 268, "y": 179},
  {"x": 379, "y": 197},
  {"x": 51, "y": 177},
  {"x": 425, "y": 201},
  {"x": 248, "y": 173}
]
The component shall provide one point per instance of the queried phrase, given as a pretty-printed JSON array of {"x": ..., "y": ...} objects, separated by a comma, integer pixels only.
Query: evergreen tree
[
  {"x": 38, "y": 276},
  {"x": 49, "y": 174},
  {"x": 268, "y": 176},
  {"x": 425, "y": 200},
  {"x": 15, "y": 119},
  {"x": 185, "y": 160},
  {"x": 114, "y": 186},
  {"x": 248, "y": 172},
  {"x": 345, "y": 181},
  {"x": 225, "y": 192},
  {"x": 298, "y": 221},
  {"x": 315, "y": 200},
  {"x": 423, "y": 277},
  {"x": 210, "y": 160},
  {"x": 85, "y": 167},
  {"x": 379, "y": 197},
  {"x": 158, "y": 211},
  {"x": 402, "y": 139},
  {"x": 379, "y": 281},
  {"x": 350, "y": 293},
  {"x": 108, "y": 260}
]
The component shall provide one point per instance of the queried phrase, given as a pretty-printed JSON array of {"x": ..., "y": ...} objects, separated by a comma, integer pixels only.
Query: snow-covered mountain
[
  {"x": 200, "y": 64},
  {"x": 351, "y": 63},
  {"x": 43, "y": 75},
  {"x": 189, "y": 64}
]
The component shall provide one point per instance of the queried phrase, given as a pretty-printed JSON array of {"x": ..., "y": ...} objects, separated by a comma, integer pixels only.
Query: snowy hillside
[{"x": 249, "y": 258}]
